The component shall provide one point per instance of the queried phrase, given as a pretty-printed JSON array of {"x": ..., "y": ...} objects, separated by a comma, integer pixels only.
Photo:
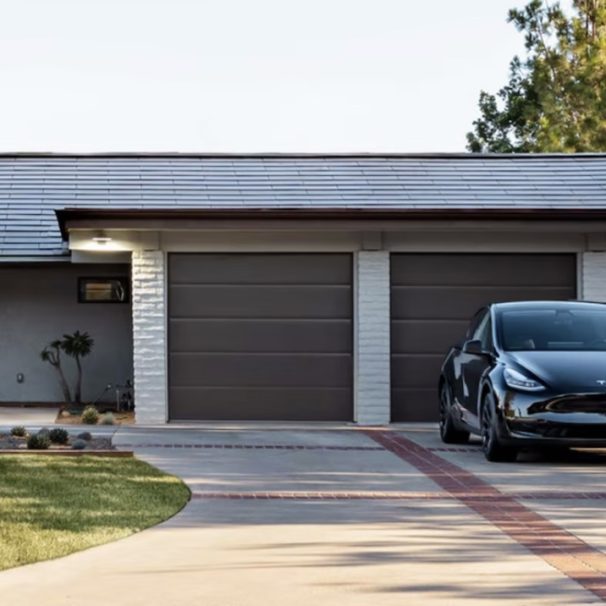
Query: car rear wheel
[
  {"x": 494, "y": 450},
  {"x": 448, "y": 430}
]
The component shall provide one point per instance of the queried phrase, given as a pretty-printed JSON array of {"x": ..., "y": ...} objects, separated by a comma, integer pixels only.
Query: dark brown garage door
[
  {"x": 260, "y": 336},
  {"x": 433, "y": 296}
]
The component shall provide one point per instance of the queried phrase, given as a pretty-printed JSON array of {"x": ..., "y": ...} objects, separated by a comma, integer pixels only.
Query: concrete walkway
[
  {"x": 21, "y": 415},
  {"x": 324, "y": 515}
]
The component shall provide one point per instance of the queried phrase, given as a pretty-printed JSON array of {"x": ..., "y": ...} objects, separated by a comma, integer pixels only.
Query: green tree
[
  {"x": 77, "y": 346},
  {"x": 52, "y": 354},
  {"x": 555, "y": 100}
]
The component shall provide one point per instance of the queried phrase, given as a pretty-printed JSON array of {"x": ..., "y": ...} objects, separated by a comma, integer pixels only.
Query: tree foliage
[
  {"x": 77, "y": 346},
  {"x": 555, "y": 100}
]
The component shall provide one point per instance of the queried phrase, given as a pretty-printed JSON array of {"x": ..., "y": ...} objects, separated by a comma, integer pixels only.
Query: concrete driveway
[{"x": 330, "y": 515}]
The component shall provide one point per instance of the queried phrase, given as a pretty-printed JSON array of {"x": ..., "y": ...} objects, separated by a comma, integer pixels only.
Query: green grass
[{"x": 50, "y": 507}]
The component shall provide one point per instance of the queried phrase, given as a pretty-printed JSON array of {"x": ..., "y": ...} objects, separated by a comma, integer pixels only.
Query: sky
[{"x": 248, "y": 75}]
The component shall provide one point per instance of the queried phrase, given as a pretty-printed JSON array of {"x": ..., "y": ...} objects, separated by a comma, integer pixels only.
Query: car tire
[
  {"x": 492, "y": 447},
  {"x": 448, "y": 430}
]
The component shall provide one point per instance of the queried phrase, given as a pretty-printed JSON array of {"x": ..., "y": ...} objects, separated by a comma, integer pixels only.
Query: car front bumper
[{"x": 575, "y": 420}]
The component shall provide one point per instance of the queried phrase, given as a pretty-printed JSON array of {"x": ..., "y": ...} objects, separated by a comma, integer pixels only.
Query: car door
[{"x": 474, "y": 365}]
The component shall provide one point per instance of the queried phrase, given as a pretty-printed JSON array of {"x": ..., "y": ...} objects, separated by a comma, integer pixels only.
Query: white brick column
[
  {"x": 594, "y": 276},
  {"x": 149, "y": 336},
  {"x": 371, "y": 338}
]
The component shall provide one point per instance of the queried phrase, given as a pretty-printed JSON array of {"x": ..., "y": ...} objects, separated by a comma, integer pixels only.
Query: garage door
[
  {"x": 433, "y": 296},
  {"x": 260, "y": 337}
]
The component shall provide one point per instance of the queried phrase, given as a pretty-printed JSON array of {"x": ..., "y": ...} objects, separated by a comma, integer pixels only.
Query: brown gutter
[{"x": 64, "y": 216}]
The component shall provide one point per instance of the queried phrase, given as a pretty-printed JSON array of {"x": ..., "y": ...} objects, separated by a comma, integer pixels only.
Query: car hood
[{"x": 566, "y": 371}]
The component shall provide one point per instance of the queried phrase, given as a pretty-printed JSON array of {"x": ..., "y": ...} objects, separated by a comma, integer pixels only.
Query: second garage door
[
  {"x": 433, "y": 297},
  {"x": 260, "y": 337}
]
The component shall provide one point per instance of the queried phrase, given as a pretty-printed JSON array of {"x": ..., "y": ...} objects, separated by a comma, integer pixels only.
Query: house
[{"x": 283, "y": 287}]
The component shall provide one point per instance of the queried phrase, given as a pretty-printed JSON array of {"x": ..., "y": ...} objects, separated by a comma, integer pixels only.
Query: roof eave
[{"x": 67, "y": 215}]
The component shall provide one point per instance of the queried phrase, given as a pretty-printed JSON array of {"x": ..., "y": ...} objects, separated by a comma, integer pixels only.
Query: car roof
[{"x": 530, "y": 305}]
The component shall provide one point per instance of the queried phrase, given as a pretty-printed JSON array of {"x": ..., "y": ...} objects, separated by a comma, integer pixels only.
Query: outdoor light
[{"x": 102, "y": 239}]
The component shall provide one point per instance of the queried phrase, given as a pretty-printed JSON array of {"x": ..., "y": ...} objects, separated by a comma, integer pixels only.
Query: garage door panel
[
  {"x": 414, "y": 370},
  {"x": 260, "y": 336},
  {"x": 271, "y": 335},
  {"x": 486, "y": 270},
  {"x": 241, "y": 301},
  {"x": 419, "y": 336},
  {"x": 414, "y": 405},
  {"x": 258, "y": 370},
  {"x": 455, "y": 303},
  {"x": 260, "y": 269},
  {"x": 433, "y": 297},
  {"x": 262, "y": 404}
]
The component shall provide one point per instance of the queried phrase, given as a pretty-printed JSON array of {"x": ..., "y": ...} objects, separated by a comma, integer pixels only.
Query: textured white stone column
[
  {"x": 149, "y": 336},
  {"x": 371, "y": 338},
  {"x": 594, "y": 276}
]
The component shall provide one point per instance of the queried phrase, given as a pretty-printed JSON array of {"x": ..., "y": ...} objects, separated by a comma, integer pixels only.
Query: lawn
[{"x": 50, "y": 507}]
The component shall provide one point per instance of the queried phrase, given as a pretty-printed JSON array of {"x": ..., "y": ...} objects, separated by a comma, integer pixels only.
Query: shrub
[
  {"x": 108, "y": 419},
  {"x": 38, "y": 442},
  {"x": 58, "y": 435},
  {"x": 90, "y": 416},
  {"x": 19, "y": 431},
  {"x": 85, "y": 435},
  {"x": 44, "y": 432},
  {"x": 79, "y": 444}
]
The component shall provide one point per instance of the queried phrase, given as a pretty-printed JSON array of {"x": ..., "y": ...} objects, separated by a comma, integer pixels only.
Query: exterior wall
[
  {"x": 39, "y": 304},
  {"x": 372, "y": 336},
  {"x": 149, "y": 336},
  {"x": 593, "y": 282},
  {"x": 372, "y": 293}
]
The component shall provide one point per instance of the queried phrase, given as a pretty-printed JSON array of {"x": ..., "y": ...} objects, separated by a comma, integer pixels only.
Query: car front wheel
[
  {"x": 448, "y": 430},
  {"x": 494, "y": 450}
]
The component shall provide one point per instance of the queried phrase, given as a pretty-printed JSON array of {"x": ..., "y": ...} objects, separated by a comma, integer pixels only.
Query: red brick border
[
  {"x": 565, "y": 552},
  {"x": 396, "y": 495},
  {"x": 312, "y": 495},
  {"x": 250, "y": 446}
]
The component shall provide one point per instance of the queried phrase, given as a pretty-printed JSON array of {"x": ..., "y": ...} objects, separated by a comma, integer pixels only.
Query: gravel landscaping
[{"x": 86, "y": 442}]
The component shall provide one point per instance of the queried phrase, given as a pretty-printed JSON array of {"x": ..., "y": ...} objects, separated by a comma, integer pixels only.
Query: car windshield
[{"x": 553, "y": 329}]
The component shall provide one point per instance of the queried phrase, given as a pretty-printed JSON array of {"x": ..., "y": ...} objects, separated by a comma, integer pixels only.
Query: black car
[{"x": 528, "y": 374}]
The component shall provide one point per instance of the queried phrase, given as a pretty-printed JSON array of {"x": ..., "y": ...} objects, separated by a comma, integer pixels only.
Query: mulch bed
[{"x": 121, "y": 418}]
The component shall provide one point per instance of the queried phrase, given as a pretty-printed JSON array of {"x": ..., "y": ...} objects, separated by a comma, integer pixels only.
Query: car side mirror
[{"x": 474, "y": 347}]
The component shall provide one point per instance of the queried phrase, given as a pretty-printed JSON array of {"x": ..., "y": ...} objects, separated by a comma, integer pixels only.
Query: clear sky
[{"x": 248, "y": 75}]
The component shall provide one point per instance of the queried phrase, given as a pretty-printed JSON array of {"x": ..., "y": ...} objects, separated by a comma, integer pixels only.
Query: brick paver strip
[
  {"x": 554, "y": 495},
  {"x": 250, "y": 446},
  {"x": 306, "y": 495},
  {"x": 559, "y": 548}
]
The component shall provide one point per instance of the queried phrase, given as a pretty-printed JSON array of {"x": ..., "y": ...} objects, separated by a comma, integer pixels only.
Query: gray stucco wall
[{"x": 39, "y": 304}]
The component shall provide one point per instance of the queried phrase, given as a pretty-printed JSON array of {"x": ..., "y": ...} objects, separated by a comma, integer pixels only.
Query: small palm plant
[
  {"x": 77, "y": 346},
  {"x": 52, "y": 354}
]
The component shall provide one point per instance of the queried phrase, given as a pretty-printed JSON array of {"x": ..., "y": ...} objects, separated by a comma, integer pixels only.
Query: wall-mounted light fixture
[{"x": 101, "y": 239}]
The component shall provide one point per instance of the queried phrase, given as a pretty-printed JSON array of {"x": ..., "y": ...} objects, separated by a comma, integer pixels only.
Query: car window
[
  {"x": 475, "y": 322},
  {"x": 483, "y": 333},
  {"x": 553, "y": 329}
]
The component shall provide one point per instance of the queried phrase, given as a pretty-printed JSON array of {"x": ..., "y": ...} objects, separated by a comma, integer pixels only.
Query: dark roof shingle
[{"x": 32, "y": 186}]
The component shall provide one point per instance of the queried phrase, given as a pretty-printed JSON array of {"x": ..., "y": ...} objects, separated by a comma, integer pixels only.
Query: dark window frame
[{"x": 82, "y": 280}]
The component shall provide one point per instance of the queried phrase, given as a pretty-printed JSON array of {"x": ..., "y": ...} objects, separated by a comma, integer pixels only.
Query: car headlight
[{"x": 517, "y": 380}]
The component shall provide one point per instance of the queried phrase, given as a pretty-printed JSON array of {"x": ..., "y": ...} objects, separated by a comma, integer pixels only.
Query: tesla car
[{"x": 528, "y": 374}]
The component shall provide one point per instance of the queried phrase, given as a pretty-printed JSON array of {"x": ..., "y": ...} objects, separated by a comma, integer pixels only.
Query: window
[
  {"x": 553, "y": 329},
  {"x": 483, "y": 333},
  {"x": 103, "y": 290},
  {"x": 475, "y": 323}
]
